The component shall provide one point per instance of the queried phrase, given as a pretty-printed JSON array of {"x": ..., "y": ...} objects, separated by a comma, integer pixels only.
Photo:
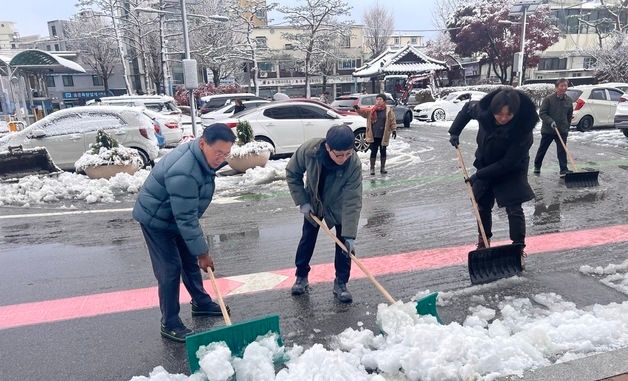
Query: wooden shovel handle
[
  {"x": 355, "y": 259},
  {"x": 571, "y": 160},
  {"x": 476, "y": 211},
  {"x": 221, "y": 302}
]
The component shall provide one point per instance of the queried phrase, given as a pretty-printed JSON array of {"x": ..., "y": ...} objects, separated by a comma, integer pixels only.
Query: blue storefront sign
[{"x": 83, "y": 94}]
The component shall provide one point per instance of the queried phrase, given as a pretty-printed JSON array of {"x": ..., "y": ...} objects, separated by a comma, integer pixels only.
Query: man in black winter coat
[{"x": 506, "y": 118}]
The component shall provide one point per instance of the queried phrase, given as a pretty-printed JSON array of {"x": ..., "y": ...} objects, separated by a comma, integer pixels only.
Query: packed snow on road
[{"x": 520, "y": 334}]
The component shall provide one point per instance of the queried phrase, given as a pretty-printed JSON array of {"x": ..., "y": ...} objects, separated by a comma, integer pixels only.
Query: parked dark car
[{"x": 403, "y": 114}]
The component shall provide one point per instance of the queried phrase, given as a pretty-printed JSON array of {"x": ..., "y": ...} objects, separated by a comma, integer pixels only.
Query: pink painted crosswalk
[{"x": 48, "y": 311}]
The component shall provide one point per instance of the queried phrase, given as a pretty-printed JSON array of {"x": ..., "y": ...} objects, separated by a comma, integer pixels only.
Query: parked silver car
[{"x": 67, "y": 133}]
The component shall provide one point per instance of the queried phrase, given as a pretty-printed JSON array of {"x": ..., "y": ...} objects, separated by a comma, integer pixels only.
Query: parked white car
[
  {"x": 67, "y": 133},
  {"x": 617, "y": 85},
  {"x": 594, "y": 106},
  {"x": 216, "y": 101},
  {"x": 287, "y": 125},
  {"x": 227, "y": 111},
  {"x": 169, "y": 126},
  {"x": 621, "y": 115},
  {"x": 446, "y": 108}
]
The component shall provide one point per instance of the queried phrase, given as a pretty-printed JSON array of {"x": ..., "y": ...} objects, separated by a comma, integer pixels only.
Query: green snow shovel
[
  {"x": 491, "y": 263},
  {"x": 237, "y": 336},
  {"x": 424, "y": 306},
  {"x": 577, "y": 179}
]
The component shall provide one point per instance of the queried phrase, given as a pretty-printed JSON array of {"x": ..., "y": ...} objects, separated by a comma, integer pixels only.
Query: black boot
[
  {"x": 383, "y": 170},
  {"x": 372, "y": 166},
  {"x": 210, "y": 309},
  {"x": 300, "y": 285},
  {"x": 341, "y": 293}
]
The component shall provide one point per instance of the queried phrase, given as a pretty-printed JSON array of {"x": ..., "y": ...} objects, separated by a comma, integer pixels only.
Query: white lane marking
[
  {"x": 222, "y": 200},
  {"x": 256, "y": 282},
  {"x": 74, "y": 212}
]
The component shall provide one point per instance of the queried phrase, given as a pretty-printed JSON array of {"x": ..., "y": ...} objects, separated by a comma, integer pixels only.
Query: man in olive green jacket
[
  {"x": 333, "y": 192},
  {"x": 556, "y": 112}
]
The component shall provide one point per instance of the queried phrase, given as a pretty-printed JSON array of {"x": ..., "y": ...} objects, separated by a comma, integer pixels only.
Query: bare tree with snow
[
  {"x": 318, "y": 25},
  {"x": 379, "y": 26},
  {"x": 112, "y": 9},
  {"x": 91, "y": 36}
]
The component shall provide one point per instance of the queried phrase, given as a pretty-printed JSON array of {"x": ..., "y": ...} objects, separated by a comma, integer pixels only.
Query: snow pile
[
  {"x": 616, "y": 275},
  {"x": 254, "y": 147},
  {"x": 259, "y": 179},
  {"x": 115, "y": 156},
  {"x": 521, "y": 334},
  {"x": 32, "y": 190},
  {"x": 607, "y": 138}
]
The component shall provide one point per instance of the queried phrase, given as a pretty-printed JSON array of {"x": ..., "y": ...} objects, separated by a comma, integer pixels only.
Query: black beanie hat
[{"x": 340, "y": 138}]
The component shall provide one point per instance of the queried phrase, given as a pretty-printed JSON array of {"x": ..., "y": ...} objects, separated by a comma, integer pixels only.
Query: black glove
[
  {"x": 471, "y": 179},
  {"x": 350, "y": 245},
  {"x": 394, "y": 134},
  {"x": 454, "y": 140}
]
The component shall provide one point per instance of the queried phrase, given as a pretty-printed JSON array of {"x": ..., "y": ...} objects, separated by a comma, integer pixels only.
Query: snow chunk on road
[
  {"x": 521, "y": 334},
  {"x": 617, "y": 275},
  {"x": 34, "y": 190}
]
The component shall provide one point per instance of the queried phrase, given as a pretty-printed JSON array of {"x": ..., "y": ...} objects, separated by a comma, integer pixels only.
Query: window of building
[
  {"x": 589, "y": 62},
  {"x": 266, "y": 66},
  {"x": 288, "y": 47},
  {"x": 345, "y": 41},
  {"x": 68, "y": 80},
  {"x": 262, "y": 42},
  {"x": 53, "y": 30},
  {"x": 97, "y": 80},
  {"x": 397, "y": 40},
  {"x": 552, "y": 63},
  {"x": 57, "y": 47},
  {"x": 413, "y": 40},
  {"x": 347, "y": 64},
  {"x": 50, "y": 81},
  {"x": 261, "y": 14},
  {"x": 48, "y": 48}
]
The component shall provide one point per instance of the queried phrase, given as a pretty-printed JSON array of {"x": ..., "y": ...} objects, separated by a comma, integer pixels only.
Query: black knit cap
[{"x": 340, "y": 138}]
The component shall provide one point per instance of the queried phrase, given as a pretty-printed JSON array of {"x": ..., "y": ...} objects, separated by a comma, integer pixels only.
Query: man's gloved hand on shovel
[{"x": 350, "y": 245}]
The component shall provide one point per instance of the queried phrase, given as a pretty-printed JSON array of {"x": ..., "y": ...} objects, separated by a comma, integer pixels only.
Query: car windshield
[
  {"x": 343, "y": 103},
  {"x": 574, "y": 94},
  {"x": 451, "y": 97}
]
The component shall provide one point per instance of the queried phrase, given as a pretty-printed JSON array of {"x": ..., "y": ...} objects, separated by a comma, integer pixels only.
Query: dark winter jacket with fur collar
[{"x": 502, "y": 157}]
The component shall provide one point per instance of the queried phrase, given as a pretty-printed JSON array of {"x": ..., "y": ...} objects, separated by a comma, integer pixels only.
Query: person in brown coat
[{"x": 380, "y": 125}]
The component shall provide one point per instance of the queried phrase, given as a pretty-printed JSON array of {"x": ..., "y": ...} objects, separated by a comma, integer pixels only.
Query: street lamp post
[{"x": 523, "y": 7}]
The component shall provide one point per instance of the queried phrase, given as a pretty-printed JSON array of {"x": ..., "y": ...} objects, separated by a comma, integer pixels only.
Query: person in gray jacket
[
  {"x": 173, "y": 198},
  {"x": 333, "y": 192},
  {"x": 555, "y": 112}
]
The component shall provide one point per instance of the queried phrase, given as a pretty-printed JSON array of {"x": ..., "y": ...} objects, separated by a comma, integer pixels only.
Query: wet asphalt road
[{"x": 420, "y": 204}]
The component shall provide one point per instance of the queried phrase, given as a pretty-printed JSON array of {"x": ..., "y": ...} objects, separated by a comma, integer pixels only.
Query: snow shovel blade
[
  {"x": 18, "y": 162},
  {"x": 489, "y": 264},
  {"x": 582, "y": 179},
  {"x": 237, "y": 336},
  {"x": 427, "y": 306}
]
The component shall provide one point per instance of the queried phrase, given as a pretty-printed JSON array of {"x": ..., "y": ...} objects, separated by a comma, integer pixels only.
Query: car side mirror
[{"x": 37, "y": 134}]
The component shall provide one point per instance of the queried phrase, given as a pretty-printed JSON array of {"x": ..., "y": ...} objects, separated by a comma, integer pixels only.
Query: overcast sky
[{"x": 30, "y": 16}]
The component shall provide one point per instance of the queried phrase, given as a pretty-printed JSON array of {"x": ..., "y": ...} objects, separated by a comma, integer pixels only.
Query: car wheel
[
  {"x": 266, "y": 140},
  {"x": 144, "y": 156},
  {"x": 438, "y": 115},
  {"x": 585, "y": 123},
  {"x": 360, "y": 144},
  {"x": 407, "y": 119},
  {"x": 625, "y": 131}
]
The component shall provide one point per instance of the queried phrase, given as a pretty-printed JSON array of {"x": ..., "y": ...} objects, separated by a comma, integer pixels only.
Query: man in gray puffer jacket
[{"x": 172, "y": 200}]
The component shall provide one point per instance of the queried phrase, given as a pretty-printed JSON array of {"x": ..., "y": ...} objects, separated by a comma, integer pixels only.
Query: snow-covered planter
[
  {"x": 106, "y": 158},
  {"x": 248, "y": 153}
]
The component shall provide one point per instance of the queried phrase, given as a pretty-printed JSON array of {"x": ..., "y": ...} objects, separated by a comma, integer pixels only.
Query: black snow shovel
[
  {"x": 578, "y": 179},
  {"x": 491, "y": 263},
  {"x": 424, "y": 306}
]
